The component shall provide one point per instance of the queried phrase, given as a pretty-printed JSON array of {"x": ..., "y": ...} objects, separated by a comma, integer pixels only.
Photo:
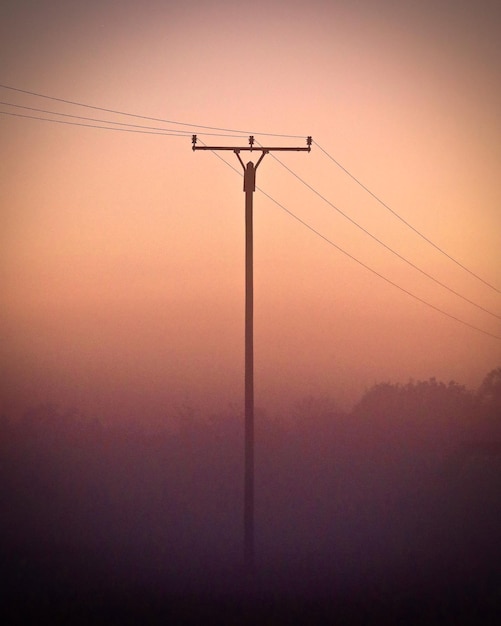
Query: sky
[{"x": 122, "y": 253}]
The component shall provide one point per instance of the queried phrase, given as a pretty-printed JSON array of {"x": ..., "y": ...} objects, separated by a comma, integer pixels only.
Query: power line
[
  {"x": 387, "y": 247},
  {"x": 182, "y": 133},
  {"x": 144, "y": 117},
  {"x": 367, "y": 267},
  {"x": 413, "y": 228},
  {"x": 94, "y": 119},
  {"x": 124, "y": 130}
]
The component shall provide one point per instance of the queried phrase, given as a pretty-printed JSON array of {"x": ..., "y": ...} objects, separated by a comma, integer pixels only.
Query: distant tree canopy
[
  {"x": 431, "y": 412},
  {"x": 415, "y": 399},
  {"x": 489, "y": 392}
]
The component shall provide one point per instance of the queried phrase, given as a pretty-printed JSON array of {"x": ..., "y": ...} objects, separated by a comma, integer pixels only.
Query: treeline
[{"x": 399, "y": 496}]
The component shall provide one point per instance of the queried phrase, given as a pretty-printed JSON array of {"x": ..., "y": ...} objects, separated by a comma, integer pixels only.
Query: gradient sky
[{"x": 122, "y": 254}]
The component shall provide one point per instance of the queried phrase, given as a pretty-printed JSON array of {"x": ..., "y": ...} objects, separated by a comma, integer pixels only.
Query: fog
[{"x": 388, "y": 511}]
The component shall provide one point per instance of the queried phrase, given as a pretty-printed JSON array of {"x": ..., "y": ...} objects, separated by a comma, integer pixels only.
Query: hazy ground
[{"x": 389, "y": 513}]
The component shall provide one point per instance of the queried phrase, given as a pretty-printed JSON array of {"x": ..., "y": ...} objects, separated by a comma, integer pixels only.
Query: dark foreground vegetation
[{"x": 389, "y": 514}]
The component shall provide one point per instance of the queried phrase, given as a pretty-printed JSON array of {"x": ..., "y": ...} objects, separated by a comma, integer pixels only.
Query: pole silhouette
[{"x": 249, "y": 188}]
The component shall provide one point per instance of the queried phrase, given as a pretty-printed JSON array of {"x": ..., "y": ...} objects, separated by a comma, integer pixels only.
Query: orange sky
[{"x": 122, "y": 254}]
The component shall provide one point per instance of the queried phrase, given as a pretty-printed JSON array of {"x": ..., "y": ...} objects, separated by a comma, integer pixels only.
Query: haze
[{"x": 122, "y": 282}]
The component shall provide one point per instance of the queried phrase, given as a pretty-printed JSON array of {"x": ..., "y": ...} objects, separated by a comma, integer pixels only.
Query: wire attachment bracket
[{"x": 251, "y": 147}]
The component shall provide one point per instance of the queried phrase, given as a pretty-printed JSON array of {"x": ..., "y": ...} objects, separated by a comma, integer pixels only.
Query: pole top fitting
[
  {"x": 193, "y": 141},
  {"x": 251, "y": 141},
  {"x": 309, "y": 141}
]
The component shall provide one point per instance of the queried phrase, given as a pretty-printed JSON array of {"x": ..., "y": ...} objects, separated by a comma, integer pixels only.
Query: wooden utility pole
[{"x": 249, "y": 188}]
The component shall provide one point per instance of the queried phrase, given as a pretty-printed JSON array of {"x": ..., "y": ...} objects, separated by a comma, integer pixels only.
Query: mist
[
  {"x": 389, "y": 510},
  {"x": 376, "y": 266}
]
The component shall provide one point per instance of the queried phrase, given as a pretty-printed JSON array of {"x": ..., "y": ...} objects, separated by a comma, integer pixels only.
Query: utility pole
[{"x": 249, "y": 188}]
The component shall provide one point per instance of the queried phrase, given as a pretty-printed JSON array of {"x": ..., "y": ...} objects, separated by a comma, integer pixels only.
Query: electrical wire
[
  {"x": 409, "y": 225},
  {"x": 124, "y": 130},
  {"x": 387, "y": 247},
  {"x": 370, "y": 269},
  {"x": 345, "y": 170},
  {"x": 367, "y": 267},
  {"x": 183, "y": 133},
  {"x": 144, "y": 117},
  {"x": 186, "y": 133}
]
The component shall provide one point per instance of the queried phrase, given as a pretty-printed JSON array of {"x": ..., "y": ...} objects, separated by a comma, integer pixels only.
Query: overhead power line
[
  {"x": 387, "y": 247},
  {"x": 408, "y": 224},
  {"x": 178, "y": 132},
  {"x": 345, "y": 170},
  {"x": 214, "y": 128},
  {"x": 115, "y": 128},
  {"x": 144, "y": 117},
  {"x": 364, "y": 265},
  {"x": 137, "y": 128}
]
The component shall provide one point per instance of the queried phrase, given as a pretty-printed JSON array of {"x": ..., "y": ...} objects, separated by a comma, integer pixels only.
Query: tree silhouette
[{"x": 489, "y": 392}]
